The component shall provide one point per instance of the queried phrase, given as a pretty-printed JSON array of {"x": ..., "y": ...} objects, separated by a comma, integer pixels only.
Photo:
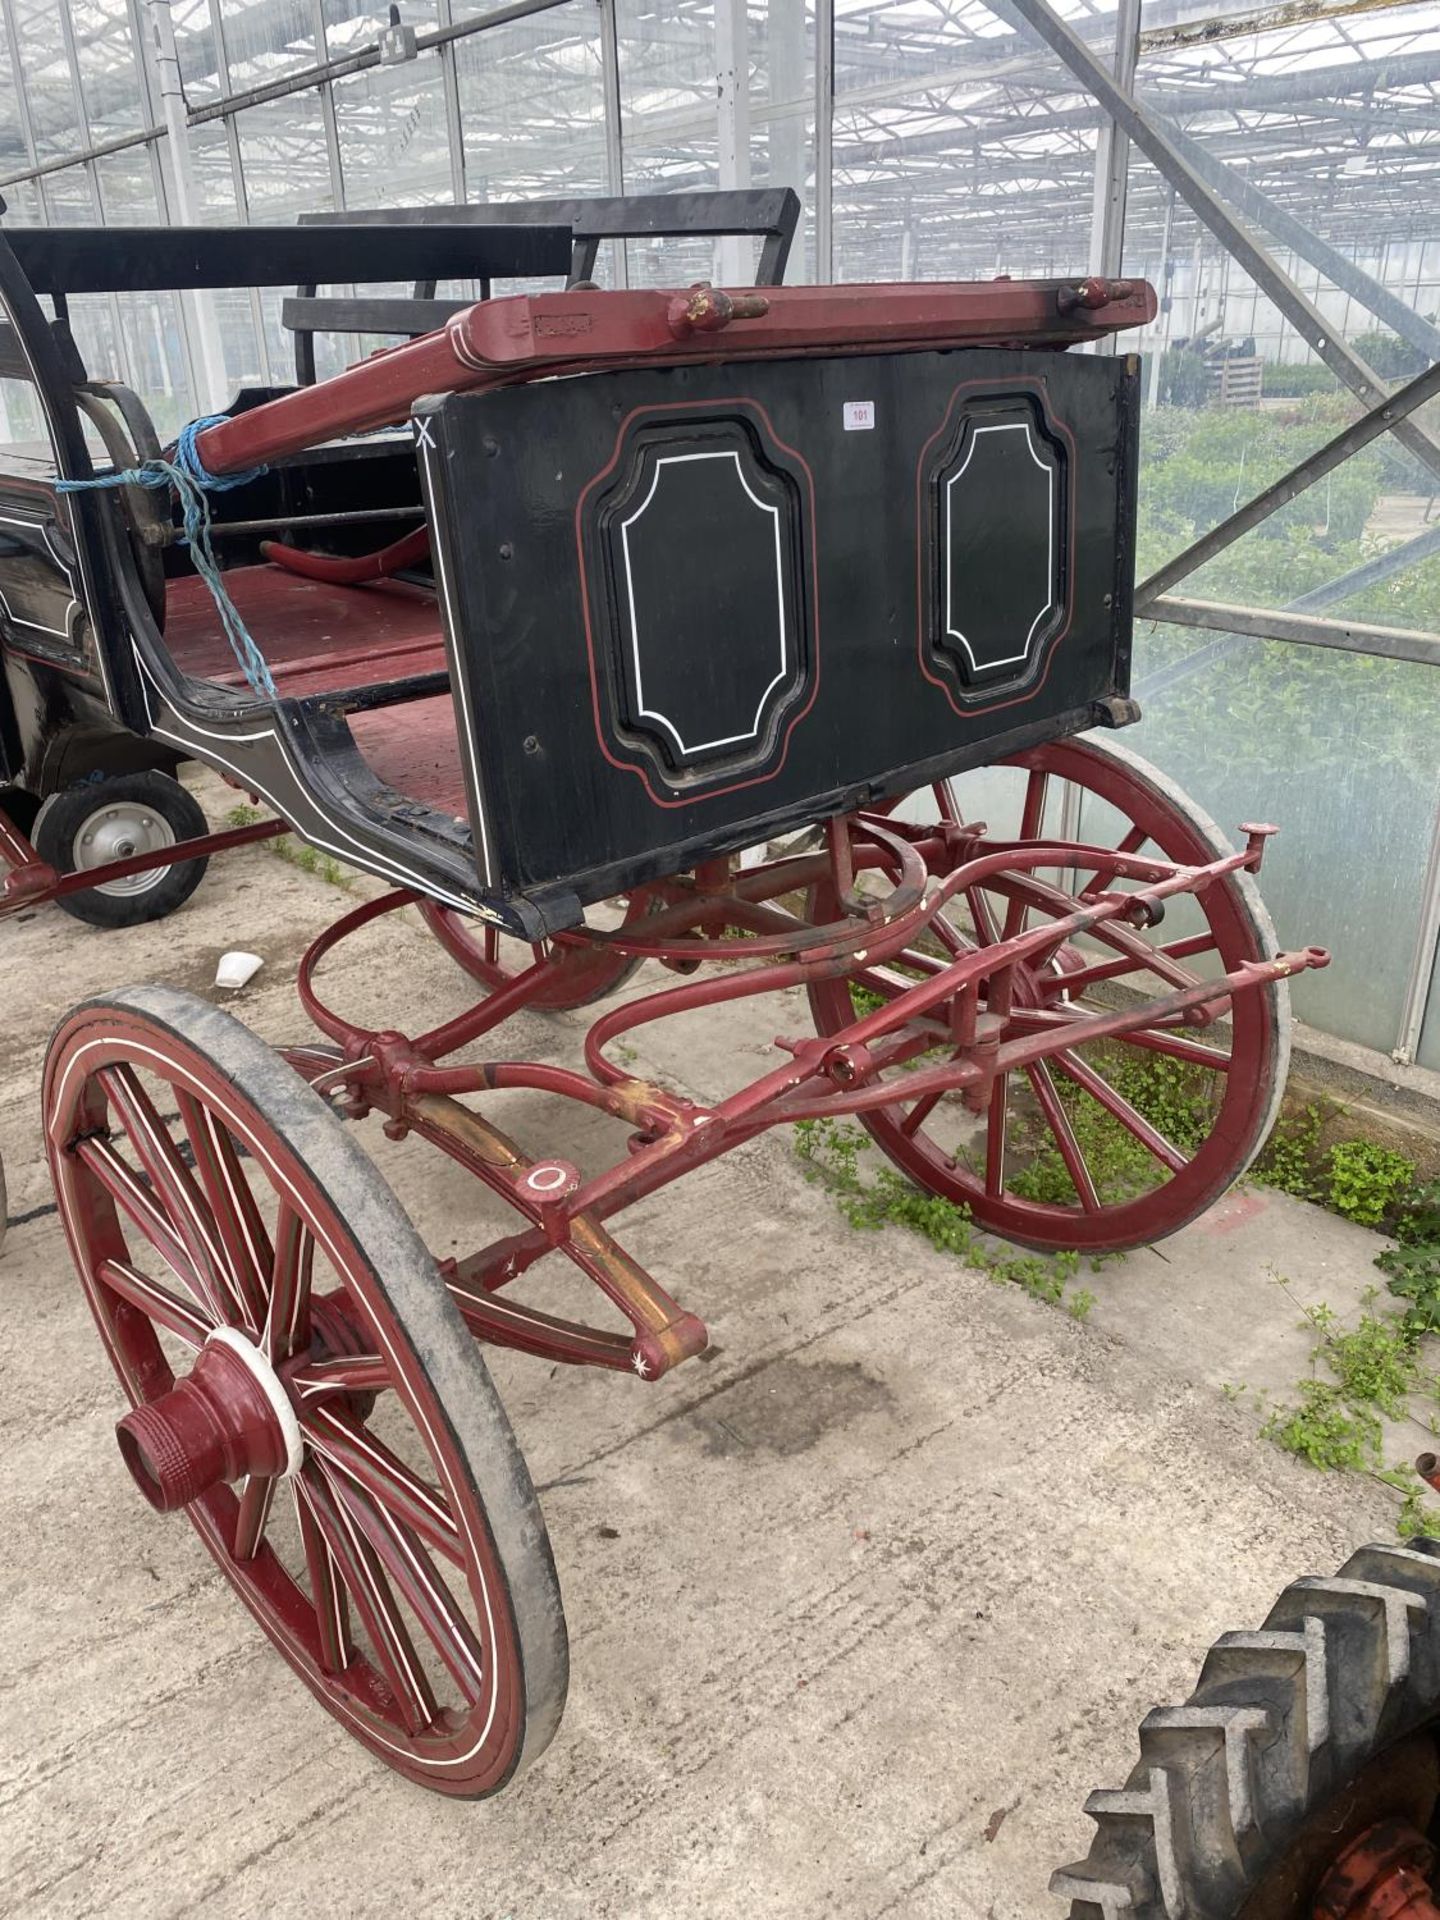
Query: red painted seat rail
[{"x": 497, "y": 342}]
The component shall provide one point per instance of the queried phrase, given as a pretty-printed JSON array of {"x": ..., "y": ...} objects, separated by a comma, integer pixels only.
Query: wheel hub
[
  {"x": 117, "y": 832},
  {"x": 229, "y": 1418},
  {"x": 1384, "y": 1874}
]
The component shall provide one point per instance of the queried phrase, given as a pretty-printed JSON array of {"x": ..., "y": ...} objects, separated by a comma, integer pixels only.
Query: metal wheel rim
[{"x": 115, "y": 832}]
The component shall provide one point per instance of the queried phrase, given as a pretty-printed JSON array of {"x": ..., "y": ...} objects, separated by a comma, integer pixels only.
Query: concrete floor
[{"x": 860, "y": 1608}]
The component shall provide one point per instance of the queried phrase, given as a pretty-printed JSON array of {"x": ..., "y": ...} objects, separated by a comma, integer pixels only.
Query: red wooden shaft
[{"x": 514, "y": 339}]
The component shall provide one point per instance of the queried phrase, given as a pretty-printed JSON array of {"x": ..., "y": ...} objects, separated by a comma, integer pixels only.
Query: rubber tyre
[
  {"x": 64, "y": 814},
  {"x": 1296, "y": 1739},
  {"x": 284, "y": 1128}
]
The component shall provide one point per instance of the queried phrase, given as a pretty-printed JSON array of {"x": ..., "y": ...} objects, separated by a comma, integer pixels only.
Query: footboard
[{"x": 689, "y": 606}]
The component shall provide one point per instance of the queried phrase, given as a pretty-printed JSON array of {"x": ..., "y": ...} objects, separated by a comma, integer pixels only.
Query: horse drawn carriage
[{"x": 545, "y": 615}]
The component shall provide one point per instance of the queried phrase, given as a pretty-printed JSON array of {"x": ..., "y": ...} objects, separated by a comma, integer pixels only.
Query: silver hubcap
[{"x": 115, "y": 833}]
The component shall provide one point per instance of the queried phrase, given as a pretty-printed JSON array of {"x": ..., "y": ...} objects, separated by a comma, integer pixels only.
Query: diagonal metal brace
[
  {"x": 1236, "y": 237},
  {"x": 1397, "y": 406}
]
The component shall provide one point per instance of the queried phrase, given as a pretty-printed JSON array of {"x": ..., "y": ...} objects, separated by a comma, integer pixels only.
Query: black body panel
[{"x": 688, "y": 607}]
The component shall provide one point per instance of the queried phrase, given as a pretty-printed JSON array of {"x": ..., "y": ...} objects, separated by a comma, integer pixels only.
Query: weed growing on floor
[
  {"x": 1290, "y": 1158},
  {"x": 1363, "y": 1370},
  {"x": 831, "y": 1151},
  {"x": 1358, "y": 1179},
  {"x": 1412, "y": 1269},
  {"x": 1325, "y": 1431},
  {"x": 1368, "y": 1181},
  {"x": 1178, "y": 1100},
  {"x": 295, "y": 853}
]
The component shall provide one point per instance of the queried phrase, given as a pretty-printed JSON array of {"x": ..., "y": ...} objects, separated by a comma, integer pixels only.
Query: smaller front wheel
[{"x": 101, "y": 821}]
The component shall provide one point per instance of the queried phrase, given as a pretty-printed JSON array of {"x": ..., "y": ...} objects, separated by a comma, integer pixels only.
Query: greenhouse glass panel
[
  {"x": 1340, "y": 751},
  {"x": 198, "y": 49},
  {"x": 353, "y": 24},
  {"x": 267, "y": 42},
  {"x": 110, "y": 80},
  {"x": 45, "y": 72},
  {"x": 667, "y": 108},
  {"x": 962, "y": 148},
  {"x": 391, "y": 126},
  {"x": 532, "y": 106}
]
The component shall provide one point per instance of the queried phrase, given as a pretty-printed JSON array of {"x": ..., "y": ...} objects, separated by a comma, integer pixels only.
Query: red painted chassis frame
[
  {"x": 734, "y": 917},
  {"x": 30, "y": 881},
  {"x": 682, "y": 924}
]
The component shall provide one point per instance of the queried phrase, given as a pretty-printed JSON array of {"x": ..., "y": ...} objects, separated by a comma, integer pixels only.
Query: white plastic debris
[{"x": 237, "y": 969}]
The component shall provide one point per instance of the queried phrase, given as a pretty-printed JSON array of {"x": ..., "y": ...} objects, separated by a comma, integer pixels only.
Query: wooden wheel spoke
[
  {"x": 995, "y": 1125},
  {"x": 1177, "y": 1047},
  {"x": 350, "y": 1449},
  {"x": 287, "y": 1318},
  {"x": 1032, "y": 813},
  {"x": 1096, "y": 1162},
  {"x": 360, "y": 1568},
  {"x": 921, "y": 1112},
  {"x": 155, "y": 1301},
  {"x": 340, "y": 1374},
  {"x": 1058, "y": 1122},
  {"x": 137, "y": 1202},
  {"x": 1119, "y": 1108},
  {"x": 410, "y": 1569},
  {"x": 1160, "y": 1038},
  {"x": 254, "y": 1511},
  {"x": 174, "y": 1189},
  {"x": 1141, "y": 956},
  {"x": 982, "y": 917},
  {"x": 1083, "y": 977},
  {"x": 1032, "y": 820},
  {"x": 238, "y": 1226},
  {"x": 327, "y": 1593},
  {"x": 1104, "y": 869}
]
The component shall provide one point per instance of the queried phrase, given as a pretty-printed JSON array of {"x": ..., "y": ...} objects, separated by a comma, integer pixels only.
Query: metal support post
[
  {"x": 824, "y": 141},
  {"x": 733, "y": 252},
  {"x": 197, "y": 306}
]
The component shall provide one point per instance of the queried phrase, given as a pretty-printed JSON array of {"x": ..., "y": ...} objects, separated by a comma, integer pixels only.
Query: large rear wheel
[
  {"x": 301, "y": 1383},
  {"x": 1104, "y": 1145}
]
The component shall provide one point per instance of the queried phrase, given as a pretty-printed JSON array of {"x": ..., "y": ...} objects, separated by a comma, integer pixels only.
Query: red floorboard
[
  {"x": 414, "y": 748},
  {"x": 324, "y": 639},
  {"x": 316, "y": 638}
]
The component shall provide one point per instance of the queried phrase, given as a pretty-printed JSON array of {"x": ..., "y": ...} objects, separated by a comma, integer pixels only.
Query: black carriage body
[
  {"x": 674, "y": 609},
  {"x": 688, "y": 608}
]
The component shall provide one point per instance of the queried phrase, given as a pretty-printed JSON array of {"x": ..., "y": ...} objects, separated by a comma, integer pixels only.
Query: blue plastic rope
[{"x": 192, "y": 480}]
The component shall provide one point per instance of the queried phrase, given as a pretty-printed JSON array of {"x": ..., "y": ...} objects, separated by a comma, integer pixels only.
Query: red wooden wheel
[
  {"x": 582, "y": 975},
  {"x": 1112, "y": 1144},
  {"x": 303, "y": 1384}
]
